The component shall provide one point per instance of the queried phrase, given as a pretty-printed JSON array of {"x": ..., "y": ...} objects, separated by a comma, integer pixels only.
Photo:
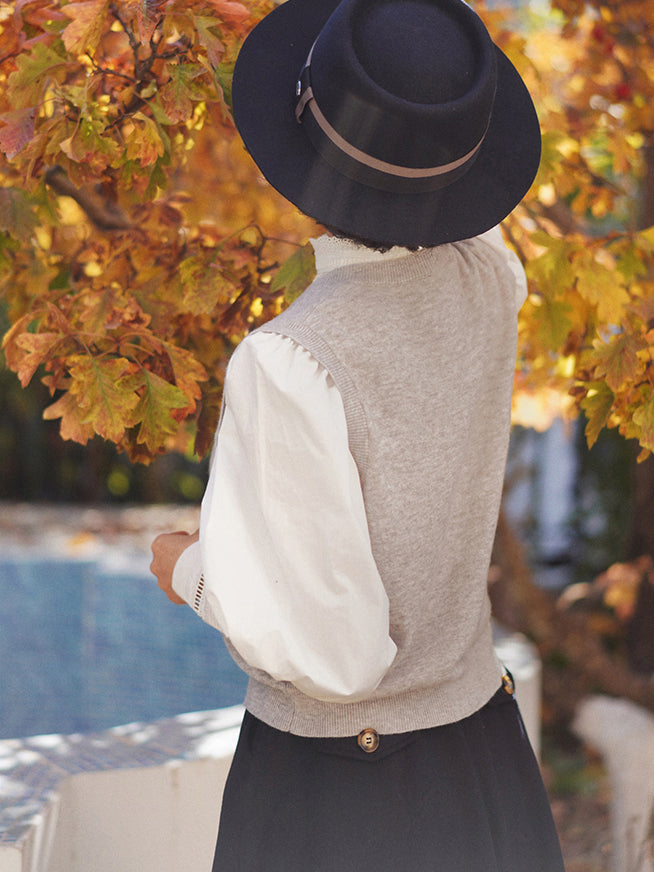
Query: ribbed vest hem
[{"x": 284, "y": 707}]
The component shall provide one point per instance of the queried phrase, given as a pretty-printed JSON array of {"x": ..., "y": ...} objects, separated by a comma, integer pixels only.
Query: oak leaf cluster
[{"x": 138, "y": 244}]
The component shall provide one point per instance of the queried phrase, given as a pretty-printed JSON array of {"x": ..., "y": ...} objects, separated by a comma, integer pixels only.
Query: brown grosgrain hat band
[{"x": 307, "y": 100}]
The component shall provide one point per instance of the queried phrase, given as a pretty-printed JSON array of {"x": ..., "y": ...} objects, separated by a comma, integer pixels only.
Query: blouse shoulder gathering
[{"x": 495, "y": 240}]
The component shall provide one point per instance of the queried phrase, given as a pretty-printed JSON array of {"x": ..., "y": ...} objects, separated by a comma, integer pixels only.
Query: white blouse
[{"x": 284, "y": 567}]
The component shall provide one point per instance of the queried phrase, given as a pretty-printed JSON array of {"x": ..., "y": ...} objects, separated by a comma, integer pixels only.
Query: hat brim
[{"x": 265, "y": 77}]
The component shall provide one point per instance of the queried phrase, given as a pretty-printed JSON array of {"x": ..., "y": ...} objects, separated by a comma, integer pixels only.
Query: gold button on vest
[{"x": 368, "y": 740}]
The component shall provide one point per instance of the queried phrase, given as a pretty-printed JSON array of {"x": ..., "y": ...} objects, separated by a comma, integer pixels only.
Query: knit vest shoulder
[{"x": 422, "y": 349}]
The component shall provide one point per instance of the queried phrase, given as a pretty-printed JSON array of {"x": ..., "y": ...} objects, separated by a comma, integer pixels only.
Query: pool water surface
[{"x": 84, "y": 648}]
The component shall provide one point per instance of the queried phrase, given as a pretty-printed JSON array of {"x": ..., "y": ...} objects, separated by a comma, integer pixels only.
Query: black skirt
[{"x": 464, "y": 797}]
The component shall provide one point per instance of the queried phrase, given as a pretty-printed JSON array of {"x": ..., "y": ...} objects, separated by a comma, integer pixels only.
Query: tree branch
[{"x": 105, "y": 215}]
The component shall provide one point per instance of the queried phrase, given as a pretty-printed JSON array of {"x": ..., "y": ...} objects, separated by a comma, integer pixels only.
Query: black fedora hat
[{"x": 395, "y": 120}]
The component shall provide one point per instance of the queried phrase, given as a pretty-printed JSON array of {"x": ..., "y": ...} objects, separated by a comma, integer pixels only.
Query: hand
[{"x": 166, "y": 550}]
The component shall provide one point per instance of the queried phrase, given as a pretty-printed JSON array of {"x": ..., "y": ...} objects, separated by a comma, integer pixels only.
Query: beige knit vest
[{"x": 422, "y": 349}]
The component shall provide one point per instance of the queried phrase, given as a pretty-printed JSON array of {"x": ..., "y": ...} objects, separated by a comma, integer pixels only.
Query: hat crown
[
  {"x": 409, "y": 82},
  {"x": 408, "y": 49}
]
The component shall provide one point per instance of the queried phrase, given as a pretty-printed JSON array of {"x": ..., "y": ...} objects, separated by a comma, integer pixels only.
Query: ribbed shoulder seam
[{"x": 319, "y": 347}]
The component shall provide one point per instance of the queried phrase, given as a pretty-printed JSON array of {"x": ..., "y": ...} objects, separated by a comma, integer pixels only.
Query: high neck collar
[{"x": 332, "y": 253}]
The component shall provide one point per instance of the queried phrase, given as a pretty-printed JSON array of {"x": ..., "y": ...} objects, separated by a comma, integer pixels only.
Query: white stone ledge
[{"x": 138, "y": 798}]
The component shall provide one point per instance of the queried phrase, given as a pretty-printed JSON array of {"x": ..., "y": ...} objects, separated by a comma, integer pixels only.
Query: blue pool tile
[{"x": 82, "y": 649}]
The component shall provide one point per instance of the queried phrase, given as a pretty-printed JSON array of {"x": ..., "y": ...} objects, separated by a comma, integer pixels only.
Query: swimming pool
[{"x": 84, "y": 647}]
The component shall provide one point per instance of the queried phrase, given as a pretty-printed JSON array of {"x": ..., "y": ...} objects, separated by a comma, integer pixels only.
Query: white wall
[{"x": 154, "y": 819}]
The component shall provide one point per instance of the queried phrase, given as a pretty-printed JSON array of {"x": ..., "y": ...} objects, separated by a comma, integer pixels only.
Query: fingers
[{"x": 166, "y": 549}]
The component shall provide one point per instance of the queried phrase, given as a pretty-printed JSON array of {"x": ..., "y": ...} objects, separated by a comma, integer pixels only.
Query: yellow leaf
[
  {"x": 16, "y": 213},
  {"x": 644, "y": 418},
  {"x": 88, "y": 20},
  {"x": 552, "y": 271},
  {"x": 71, "y": 427},
  {"x": 146, "y": 145},
  {"x": 553, "y": 319},
  {"x": 601, "y": 287},
  {"x": 205, "y": 285},
  {"x": 597, "y": 406}
]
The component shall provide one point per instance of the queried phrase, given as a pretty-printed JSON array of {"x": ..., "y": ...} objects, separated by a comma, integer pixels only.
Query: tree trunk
[{"x": 574, "y": 660}]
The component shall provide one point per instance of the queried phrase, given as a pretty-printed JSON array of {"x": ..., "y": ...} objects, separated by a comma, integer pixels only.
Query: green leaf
[
  {"x": 224, "y": 73},
  {"x": 296, "y": 273},
  {"x": 554, "y": 322},
  {"x": 16, "y": 214},
  {"x": 153, "y": 413},
  {"x": 34, "y": 70},
  {"x": 630, "y": 264}
]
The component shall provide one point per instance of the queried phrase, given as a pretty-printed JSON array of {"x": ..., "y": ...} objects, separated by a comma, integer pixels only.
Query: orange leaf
[
  {"x": 154, "y": 413},
  {"x": 231, "y": 11},
  {"x": 188, "y": 371},
  {"x": 618, "y": 360},
  {"x": 39, "y": 348},
  {"x": 67, "y": 408}
]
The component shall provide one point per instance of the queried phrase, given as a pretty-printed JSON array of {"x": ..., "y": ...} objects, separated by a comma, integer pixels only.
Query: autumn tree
[
  {"x": 130, "y": 264},
  {"x": 127, "y": 288}
]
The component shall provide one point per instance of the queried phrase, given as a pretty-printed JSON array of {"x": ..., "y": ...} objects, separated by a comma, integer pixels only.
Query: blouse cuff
[{"x": 187, "y": 576}]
